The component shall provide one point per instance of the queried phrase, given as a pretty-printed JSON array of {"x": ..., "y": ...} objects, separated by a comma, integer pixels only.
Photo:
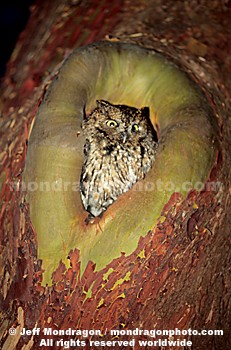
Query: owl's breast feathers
[{"x": 110, "y": 171}]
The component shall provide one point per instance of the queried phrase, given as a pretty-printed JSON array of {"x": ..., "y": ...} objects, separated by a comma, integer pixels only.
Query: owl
[{"x": 119, "y": 150}]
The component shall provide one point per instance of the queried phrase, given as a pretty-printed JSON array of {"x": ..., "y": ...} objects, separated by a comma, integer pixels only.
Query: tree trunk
[{"x": 179, "y": 275}]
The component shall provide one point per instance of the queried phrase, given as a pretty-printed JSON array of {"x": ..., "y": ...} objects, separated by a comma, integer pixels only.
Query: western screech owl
[{"x": 119, "y": 150}]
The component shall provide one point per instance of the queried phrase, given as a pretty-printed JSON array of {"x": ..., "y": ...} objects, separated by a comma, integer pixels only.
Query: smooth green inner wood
[{"x": 119, "y": 73}]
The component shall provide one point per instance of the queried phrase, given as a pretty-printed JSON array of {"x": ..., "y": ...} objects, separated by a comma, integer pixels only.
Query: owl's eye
[
  {"x": 111, "y": 123},
  {"x": 135, "y": 127}
]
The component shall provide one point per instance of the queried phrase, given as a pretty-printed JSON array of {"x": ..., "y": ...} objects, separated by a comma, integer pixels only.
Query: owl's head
[{"x": 121, "y": 123}]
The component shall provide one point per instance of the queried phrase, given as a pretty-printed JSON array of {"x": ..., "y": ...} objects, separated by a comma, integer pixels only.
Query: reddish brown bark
[{"x": 179, "y": 275}]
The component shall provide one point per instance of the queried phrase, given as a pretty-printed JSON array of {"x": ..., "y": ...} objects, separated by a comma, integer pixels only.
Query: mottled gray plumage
[{"x": 119, "y": 150}]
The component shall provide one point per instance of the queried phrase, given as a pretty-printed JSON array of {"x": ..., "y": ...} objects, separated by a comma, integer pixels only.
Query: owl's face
[{"x": 120, "y": 123}]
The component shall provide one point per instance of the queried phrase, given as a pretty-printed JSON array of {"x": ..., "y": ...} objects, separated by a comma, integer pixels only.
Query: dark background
[{"x": 13, "y": 18}]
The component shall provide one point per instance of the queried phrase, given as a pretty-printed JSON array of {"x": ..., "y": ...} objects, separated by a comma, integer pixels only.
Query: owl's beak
[{"x": 124, "y": 137}]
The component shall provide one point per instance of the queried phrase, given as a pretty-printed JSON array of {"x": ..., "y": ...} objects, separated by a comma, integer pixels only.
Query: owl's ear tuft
[
  {"x": 84, "y": 113},
  {"x": 102, "y": 103},
  {"x": 145, "y": 111}
]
